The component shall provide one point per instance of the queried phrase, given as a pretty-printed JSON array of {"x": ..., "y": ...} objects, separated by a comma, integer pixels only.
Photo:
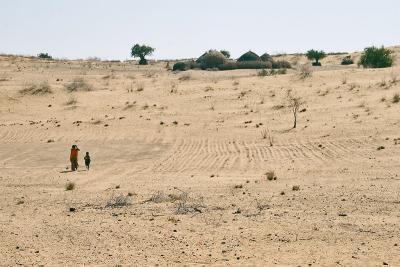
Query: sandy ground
[{"x": 185, "y": 152}]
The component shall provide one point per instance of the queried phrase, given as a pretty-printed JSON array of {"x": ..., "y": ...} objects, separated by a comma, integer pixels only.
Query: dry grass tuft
[
  {"x": 396, "y": 98},
  {"x": 118, "y": 201},
  {"x": 78, "y": 84},
  {"x": 69, "y": 186},
  {"x": 71, "y": 101},
  {"x": 305, "y": 71},
  {"x": 37, "y": 89},
  {"x": 185, "y": 77}
]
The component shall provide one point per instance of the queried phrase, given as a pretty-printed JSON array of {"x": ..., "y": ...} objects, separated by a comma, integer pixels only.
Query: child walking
[{"x": 87, "y": 160}]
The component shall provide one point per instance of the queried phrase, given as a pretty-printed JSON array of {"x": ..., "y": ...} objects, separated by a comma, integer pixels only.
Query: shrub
[
  {"x": 304, "y": 72},
  {"x": 44, "y": 56},
  {"x": 232, "y": 65},
  {"x": 69, "y": 186},
  {"x": 71, "y": 101},
  {"x": 226, "y": 53},
  {"x": 270, "y": 175},
  {"x": 347, "y": 60},
  {"x": 264, "y": 72},
  {"x": 118, "y": 201},
  {"x": 315, "y": 55},
  {"x": 266, "y": 57},
  {"x": 181, "y": 66},
  {"x": 374, "y": 57},
  {"x": 396, "y": 98},
  {"x": 249, "y": 56},
  {"x": 78, "y": 84},
  {"x": 37, "y": 89},
  {"x": 281, "y": 64},
  {"x": 211, "y": 59}
]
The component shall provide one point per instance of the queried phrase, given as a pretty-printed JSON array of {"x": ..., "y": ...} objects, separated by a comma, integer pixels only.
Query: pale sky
[{"x": 185, "y": 29}]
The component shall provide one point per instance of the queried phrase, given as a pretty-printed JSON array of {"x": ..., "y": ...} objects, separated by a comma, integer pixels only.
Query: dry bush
[
  {"x": 396, "y": 98},
  {"x": 132, "y": 77},
  {"x": 78, "y": 84},
  {"x": 159, "y": 197},
  {"x": 97, "y": 122},
  {"x": 294, "y": 103},
  {"x": 270, "y": 175},
  {"x": 394, "y": 77},
  {"x": 255, "y": 208},
  {"x": 305, "y": 71},
  {"x": 344, "y": 79},
  {"x": 382, "y": 83},
  {"x": 272, "y": 72},
  {"x": 71, "y": 101},
  {"x": 140, "y": 87},
  {"x": 118, "y": 201},
  {"x": 149, "y": 74},
  {"x": 185, "y": 77},
  {"x": 189, "y": 205},
  {"x": 69, "y": 186},
  {"x": 296, "y": 187},
  {"x": 37, "y": 89}
]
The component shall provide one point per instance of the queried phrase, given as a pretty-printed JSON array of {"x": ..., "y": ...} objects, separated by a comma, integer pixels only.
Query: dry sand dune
[{"x": 188, "y": 149}]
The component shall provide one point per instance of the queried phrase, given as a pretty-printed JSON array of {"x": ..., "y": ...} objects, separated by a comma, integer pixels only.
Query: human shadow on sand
[{"x": 73, "y": 171}]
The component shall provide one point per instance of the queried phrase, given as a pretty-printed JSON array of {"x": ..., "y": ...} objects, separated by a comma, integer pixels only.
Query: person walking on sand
[
  {"x": 74, "y": 158},
  {"x": 87, "y": 160}
]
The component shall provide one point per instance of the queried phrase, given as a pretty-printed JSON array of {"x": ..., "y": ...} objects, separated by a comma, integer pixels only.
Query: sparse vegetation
[
  {"x": 347, "y": 60},
  {"x": 281, "y": 64},
  {"x": 118, "y": 201},
  {"x": 37, "y": 89},
  {"x": 78, "y": 84},
  {"x": 394, "y": 77},
  {"x": 294, "y": 103},
  {"x": 180, "y": 66},
  {"x": 396, "y": 98},
  {"x": 69, "y": 186},
  {"x": 71, "y": 101},
  {"x": 185, "y": 77},
  {"x": 344, "y": 79},
  {"x": 270, "y": 175},
  {"x": 305, "y": 72},
  {"x": 271, "y": 72},
  {"x": 374, "y": 57},
  {"x": 188, "y": 204}
]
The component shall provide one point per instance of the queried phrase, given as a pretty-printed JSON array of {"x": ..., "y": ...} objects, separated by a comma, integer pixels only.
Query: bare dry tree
[{"x": 294, "y": 103}]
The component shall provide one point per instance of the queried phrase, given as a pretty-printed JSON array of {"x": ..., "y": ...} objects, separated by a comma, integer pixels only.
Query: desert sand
[{"x": 185, "y": 154}]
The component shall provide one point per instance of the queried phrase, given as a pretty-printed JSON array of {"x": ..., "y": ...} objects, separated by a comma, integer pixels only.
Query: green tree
[
  {"x": 226, "y": 53},
  {"x": 315, "y": 55},
  {"x": 44, "y": 55},
  {"x": 141, "y": 51},
  {"x": 374, "y": 57}
]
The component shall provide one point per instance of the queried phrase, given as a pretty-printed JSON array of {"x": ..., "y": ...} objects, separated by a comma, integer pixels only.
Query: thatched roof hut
[{"x": 249, "y": 56}]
